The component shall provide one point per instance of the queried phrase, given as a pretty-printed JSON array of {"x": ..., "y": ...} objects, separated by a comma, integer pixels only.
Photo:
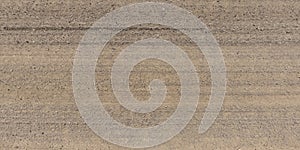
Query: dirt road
[{"x": 260, "y": 41}]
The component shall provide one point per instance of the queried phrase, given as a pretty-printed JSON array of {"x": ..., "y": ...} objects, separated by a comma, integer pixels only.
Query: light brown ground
[{"x": 260, "y": 41}]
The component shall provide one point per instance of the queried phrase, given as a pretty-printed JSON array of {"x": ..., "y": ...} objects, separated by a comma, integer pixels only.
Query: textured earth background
[{"x": 260, "y": 41}]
